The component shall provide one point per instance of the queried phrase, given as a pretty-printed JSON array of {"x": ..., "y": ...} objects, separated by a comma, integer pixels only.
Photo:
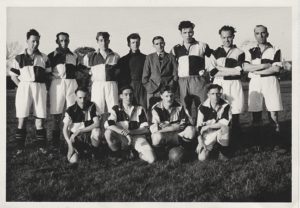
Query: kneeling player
[
  {"x": 214, "y": 116},
  {"x": 172, "y": 127},
  {"x": 81, "y": 126},
  {"x": 127, "y": 125}
]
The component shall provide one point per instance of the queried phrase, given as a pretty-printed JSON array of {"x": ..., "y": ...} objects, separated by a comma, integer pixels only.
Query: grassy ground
[{"x": 256, "y": 171}]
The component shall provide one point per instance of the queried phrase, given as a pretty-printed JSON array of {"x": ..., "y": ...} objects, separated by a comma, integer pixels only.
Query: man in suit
[{"x": 160, "y": 69}]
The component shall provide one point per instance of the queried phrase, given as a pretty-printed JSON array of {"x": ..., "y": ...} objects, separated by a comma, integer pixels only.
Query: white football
[{"x": 74, "y": 158}]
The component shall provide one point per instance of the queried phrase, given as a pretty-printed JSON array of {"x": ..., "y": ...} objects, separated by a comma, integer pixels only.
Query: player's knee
[
  {"x": 190, "y": 132},
  {"x": 176, "y": 154},
  {"x": 148, "y": 156},
  {"x": 112, "y": 143},
  {"x": 95, "y": 137},
  {"x": 156, "y": 138},
  {"x": 203, "y": 155}
]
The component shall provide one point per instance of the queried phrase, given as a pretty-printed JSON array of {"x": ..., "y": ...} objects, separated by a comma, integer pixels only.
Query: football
[{"x": 176, "y": 154}]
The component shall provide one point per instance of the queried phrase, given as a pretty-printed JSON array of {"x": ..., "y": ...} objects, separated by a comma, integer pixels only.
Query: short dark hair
[
  {"x": 61, "y": 33},
  {"x": 214, "y": 86},
  {"x": 167, "y": 88},
  {"x": 261, "y": 26},
  {"x": 133, "y": 36},
  {"x": 32, "y": 32},
  {"x": 126, "y": 87},
  {"x": 227, "y": 28},
  {"x": 157, "y": 38},
  {"x": 185, "y": 24},
  {"x": 83, "y": 89},
  {"x": 105, "y": 35}
]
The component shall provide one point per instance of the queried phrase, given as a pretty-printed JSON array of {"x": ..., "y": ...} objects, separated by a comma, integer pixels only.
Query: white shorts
[
  {"x": 264, "y": 89},
  {"x": 104, "y": 94},
  {"x": 233, "y": 93},
  {"x": 61, "y": 91},
  {"x": 31, "y": 94}
]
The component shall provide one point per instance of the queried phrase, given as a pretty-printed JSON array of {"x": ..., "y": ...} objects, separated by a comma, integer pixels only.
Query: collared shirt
[
  {"x": 63, "y": 64},
  {"x": 135, "y": 119},
  {"x": 208, "y": 115},
  {"x": 79, "y": 118},
  {"x": 131, "y": 68},
  {"x": 31, "y": 69},
  {"x": 176, "y": 114},
  {"x": 102, "y": 69},
  {"x": 192, "y": 60},
  {"x": 233, "y": 58},
  {"x": 270, "y": 55}
]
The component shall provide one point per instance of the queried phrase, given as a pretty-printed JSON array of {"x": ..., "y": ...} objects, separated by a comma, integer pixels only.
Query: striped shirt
[
  {"x": 191, "y": 61},
  {"x": 271, "y": 55},
  {"x": 233, "y": 58},
  {"x": 176, "y": 114},
  {"x": 79, "y": 118},
  {"x": 31, "y": 69},
  {"x": 135, "y": 119},
  {"x": 63, "y": 64},
  {"x": 102, "y": 69},
  {"x": 207, "y": 115}
]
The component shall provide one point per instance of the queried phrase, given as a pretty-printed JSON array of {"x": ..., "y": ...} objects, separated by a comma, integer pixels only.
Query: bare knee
[
  {"x": 95, "y": 137},
  {"x": 156, "y": 138},
  {"x": 111, "y": 141}
]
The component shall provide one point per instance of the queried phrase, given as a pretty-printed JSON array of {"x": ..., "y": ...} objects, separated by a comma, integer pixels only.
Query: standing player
[
  {"x": 226, "y": 68},
  {"x": 190, "y": 56},
  {"x": 263, "y": 63},
  {"x": 29, "y": 73},
  {"x": 171, "y": 126},
  {"x": 102, "y": 64},
  {"x": 214, "y": 116},
  {"x": 160, "y": 69},
  {"x": 62, "y": 90},
  {"x": 127, "y": 125},
  {"x": 81, "y": 126},
  {"x": 131, "y": 69}
]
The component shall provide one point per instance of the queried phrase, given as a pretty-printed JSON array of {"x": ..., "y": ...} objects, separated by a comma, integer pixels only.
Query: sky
[{"x": 82, "y": 23}]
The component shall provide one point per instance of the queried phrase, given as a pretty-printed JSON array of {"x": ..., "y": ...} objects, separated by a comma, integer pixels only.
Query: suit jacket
[{"x": 156, "y": 75}]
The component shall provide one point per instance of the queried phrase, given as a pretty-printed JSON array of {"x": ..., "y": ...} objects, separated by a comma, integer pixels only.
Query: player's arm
[
  {"x": 14, "y": 71},
  {"x": 95, "y": 124},
  {"x": 66, "y": 131},
  {"x": 255, "y": 67},
  {"x": 225, "y": 71},
  {"x": 143, "y": 124},
  {"x": 15, "y": 80},
  {"x": 271, "y": 70}
]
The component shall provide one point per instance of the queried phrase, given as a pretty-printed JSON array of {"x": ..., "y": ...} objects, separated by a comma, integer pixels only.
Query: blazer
[{"x": 156, "y": 75}]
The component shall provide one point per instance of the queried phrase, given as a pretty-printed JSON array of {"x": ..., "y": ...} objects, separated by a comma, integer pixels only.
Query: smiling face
[
  {"x": 33, "y": 42},
  {"x": 187, "y": 34},
  {"x": 227, "y": 38},
  {"x": 63, "y": 41},
  {"x": 168, "y": 98},
  {"x": 261, "y": 34},
  {"x": 159, "y": 45}
]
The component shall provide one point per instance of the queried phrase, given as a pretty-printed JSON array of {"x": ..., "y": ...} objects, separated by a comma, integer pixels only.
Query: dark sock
[
  {"x": 56, "y": 137},
  {"x": 20, "y": 138},
  {"x": 41, "y": 138}
]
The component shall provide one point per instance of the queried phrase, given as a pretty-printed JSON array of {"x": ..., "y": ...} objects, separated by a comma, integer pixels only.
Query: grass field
[{"x": 256, "y": 171}]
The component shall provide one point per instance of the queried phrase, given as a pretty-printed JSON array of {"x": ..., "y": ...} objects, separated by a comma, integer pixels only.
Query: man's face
[
  {"x": 127, "y": 96},
  {"x": 134, "y": 44},
  {"x": 63, "y": 41},
  {"x": 214, "y": 95},
  {"x": 103, "y": 43},
  {"x": 187, "y": 34},
  {"x": 81, "y": 98},
  {"x": 227, "y": 38},
  {"x": 261, "y": 34},
  {"x": 167, "y": 98},
  {"x": 159, "y": 45},
  {"x": 33, "y": 42}
]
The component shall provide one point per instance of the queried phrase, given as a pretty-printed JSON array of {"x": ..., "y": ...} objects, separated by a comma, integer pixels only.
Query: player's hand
[
  {"x": 163, "y": 125},
  {"x": 203, "y": 129},
  {"x": 182, "y": 125},
  {"x": 200, "y": 147},
  {"x": 125, "y": 132}
]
